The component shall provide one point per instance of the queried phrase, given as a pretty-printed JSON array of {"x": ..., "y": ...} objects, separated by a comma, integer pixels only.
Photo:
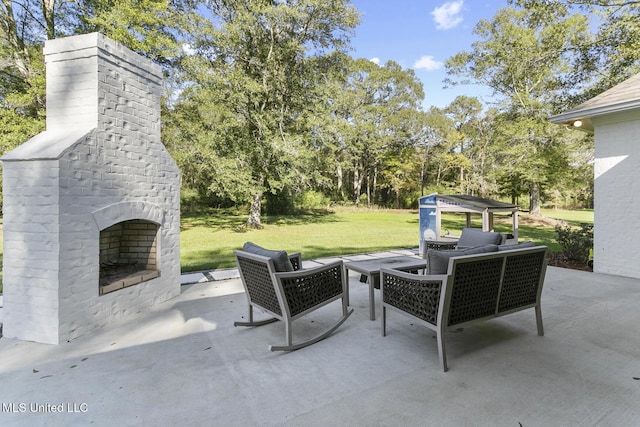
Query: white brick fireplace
[{"x": 91, "y": 206}]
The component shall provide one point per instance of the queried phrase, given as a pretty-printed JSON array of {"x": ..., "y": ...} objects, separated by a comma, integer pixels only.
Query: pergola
[{"x": 433, "y": 205}]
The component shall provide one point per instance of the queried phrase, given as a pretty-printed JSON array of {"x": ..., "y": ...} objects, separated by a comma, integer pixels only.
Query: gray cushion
[
  {"x": 516, "y": 246},
  {"x": 472, "y": 237},
  {"x": 281, "y": 261},
  {"x": 438, "y": 261}
]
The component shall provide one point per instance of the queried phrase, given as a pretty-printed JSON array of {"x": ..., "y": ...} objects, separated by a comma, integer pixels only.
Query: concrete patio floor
[{"x": 185, "y": 364}]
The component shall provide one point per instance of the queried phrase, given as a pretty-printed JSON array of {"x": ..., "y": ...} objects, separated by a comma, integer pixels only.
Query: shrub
[
  {"x": 280, "y": 203},
  {"x": 576, "y": 243},
  {"x": 313, "y": 200}
]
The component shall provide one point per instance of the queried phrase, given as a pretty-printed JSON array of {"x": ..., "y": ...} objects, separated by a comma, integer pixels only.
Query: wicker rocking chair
[{"x": 289, "y": 295}]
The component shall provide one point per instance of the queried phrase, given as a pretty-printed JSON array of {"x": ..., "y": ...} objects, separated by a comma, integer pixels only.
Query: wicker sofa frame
[
  {"x": 476, "y": 288},
  {"x": 287, "y": 296}
]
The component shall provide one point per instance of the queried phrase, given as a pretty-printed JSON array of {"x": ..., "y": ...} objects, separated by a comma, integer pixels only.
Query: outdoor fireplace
[{"x": 92, "y": 205}]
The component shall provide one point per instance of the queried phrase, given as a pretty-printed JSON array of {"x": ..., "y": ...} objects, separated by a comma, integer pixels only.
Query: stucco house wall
[
  {"x": 617, "y": 194},
  {"x": 614, "y": 118}
]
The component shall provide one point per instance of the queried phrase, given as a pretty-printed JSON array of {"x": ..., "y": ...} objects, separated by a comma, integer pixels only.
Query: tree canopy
[{"x": 264, "y": 104}]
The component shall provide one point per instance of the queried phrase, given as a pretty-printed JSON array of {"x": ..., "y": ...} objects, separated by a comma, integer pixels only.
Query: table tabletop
[{"x": 373, "y": 266}]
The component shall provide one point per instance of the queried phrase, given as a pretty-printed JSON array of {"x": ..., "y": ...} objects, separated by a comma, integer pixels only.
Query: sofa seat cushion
[
  {"x": 438, "y": 261},
  {"x": 281, "y": 261}
]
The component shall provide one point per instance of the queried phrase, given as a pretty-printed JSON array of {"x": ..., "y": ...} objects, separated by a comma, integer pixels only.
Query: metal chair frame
[{"x": 288, "y": 296}]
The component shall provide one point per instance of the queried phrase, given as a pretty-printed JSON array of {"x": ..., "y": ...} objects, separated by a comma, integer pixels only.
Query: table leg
[
  {"x": 372, "y": 308},
  {"x": 345, "y": 280},
  {"x": 371, "y": 279}
]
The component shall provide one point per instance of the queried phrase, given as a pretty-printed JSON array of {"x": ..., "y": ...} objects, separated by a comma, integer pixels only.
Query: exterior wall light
[{"x": 577, "y": 123}]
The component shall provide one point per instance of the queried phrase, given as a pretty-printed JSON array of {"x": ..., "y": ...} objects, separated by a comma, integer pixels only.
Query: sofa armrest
[
  {"x": 416, "y": 294},
  {"x": 296, "y": 260}
]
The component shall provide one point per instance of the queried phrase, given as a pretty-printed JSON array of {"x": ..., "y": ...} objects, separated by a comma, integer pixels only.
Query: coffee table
[{"x": 371, "y": 269}]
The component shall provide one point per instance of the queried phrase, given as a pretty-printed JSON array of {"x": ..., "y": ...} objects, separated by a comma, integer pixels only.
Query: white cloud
[
  {"x": 448, "y": 15},
  {"x": 186, "y": 48},
  {"x": 427, "y": 63},
  {"x": 375, "y": 60}
]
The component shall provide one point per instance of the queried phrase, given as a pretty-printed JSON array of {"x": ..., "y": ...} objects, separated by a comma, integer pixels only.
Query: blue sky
[{"x": 422, "y": 35}]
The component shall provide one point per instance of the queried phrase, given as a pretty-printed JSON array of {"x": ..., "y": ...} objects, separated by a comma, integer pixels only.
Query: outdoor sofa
[{"x": 463, "y": 287}]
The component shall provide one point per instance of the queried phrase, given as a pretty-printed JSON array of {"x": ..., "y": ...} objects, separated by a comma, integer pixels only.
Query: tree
[
  {"x": 150, "y": 27},
  {"x": 376, "y": 111},
  {"x": 432, "y": 148},
  {"x": 153, "y": 28},
  {"x": 156, "y": 29},
  {"x": 23, "y": 28},
  {"x": 609, "y": 56},
  {"x": 258, "y": 66},
  {"x": 463, "y": 111},
  {"x": 523, "y": 56}
]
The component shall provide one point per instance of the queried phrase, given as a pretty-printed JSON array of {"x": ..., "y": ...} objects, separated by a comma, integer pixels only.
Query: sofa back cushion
[
  {"x": 522, "y": 245},
  {"x": 438, "y": 261},
  {"x": 472, "y": 237},
  {"x": 281, "y": 261}
]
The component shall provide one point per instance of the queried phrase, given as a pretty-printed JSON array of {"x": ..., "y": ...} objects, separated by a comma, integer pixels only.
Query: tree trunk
[
  {"x": 374, "y": 191},
  {"x": 422, "y": 174},
  {"x": 16, "y": 43},
  {"x": 340, "y": 184},
  {"x": 534, "y": 199},
  {"x": 48, "y": 11},
  {"x": 357, "y": 185},
  {"x": 255, "y": 218},
  {"x": 368, "y": 188}
]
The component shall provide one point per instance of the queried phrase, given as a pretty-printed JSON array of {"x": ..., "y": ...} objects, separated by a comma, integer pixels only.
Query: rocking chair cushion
[{"x": 280, "y": 259}]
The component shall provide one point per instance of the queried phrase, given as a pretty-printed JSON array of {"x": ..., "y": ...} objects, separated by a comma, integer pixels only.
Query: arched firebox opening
[{"x": 128, "y": 254}]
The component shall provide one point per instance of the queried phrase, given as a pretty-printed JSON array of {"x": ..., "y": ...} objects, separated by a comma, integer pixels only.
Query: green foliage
[
  {"x": 263, "y": 99},
  {"x": 575, "y": 243},
  {"x": 530, "y": 150},
  {"x": 282, "y": 203},
  {"x": 149, "y": 27},
  {"x": 313, "y": 200},
  {"x": 371, "y": 129},
  {"x": 255, "y": 92},
  {"x": 609, "y": 55}
]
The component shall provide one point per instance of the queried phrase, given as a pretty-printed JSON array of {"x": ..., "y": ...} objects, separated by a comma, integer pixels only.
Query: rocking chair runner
[{"x": 290, "y": 295}]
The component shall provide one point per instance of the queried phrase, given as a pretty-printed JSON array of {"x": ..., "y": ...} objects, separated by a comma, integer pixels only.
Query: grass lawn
[
  {"x": 209, "y": 238},
  {"x": 573, "y": 218},
  {"x": 209, "y": 241}
]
